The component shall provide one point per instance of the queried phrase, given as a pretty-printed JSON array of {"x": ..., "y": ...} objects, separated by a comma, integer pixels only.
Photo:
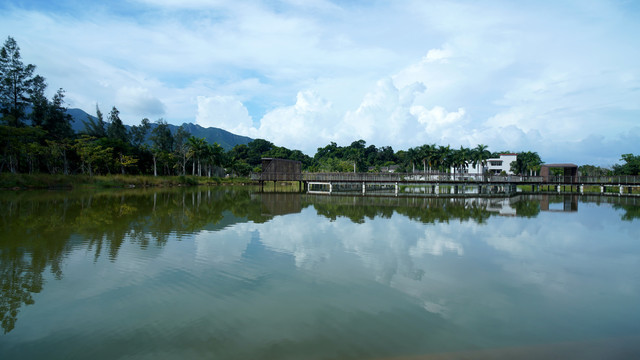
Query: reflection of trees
[
  {"x": 30, "y": 243},
  {"x": 38, "y": 228},
  {"x": 445, "y": 210},
  {"x": 422, "y": 209},
  {"x": 527, "y": 207},
  {"x": 425, "y": 210},
  {"x": 629, "y": 204},
  {"x": 632, "y": 212},
  {"x": 18, "y": 283}
]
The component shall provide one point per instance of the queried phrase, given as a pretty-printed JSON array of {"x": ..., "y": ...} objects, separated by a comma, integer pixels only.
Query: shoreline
[{"x": 16, "y": 182}]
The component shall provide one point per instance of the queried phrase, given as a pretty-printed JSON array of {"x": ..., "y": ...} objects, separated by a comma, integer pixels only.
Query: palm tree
[
  {"x": 442, "y": 157},
  {"x": 459, "y": 159},
  {"x": 214, "y": 154},
  {"x": 197, "y": 146},
  {"x": 428, "y": 154},
  {"x": 412, "y": 156},
  {"x": 480, "y": 155}
]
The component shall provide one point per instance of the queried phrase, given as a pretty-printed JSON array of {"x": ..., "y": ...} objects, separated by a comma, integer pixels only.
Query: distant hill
[{"x": 224, "y": 138}]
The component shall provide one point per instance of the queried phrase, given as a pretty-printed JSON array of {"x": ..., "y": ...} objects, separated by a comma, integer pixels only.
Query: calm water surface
[{"x": 230, "y": 274}]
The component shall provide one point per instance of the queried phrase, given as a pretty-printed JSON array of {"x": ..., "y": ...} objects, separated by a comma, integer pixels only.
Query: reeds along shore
[{"x": 47, "y": 181}]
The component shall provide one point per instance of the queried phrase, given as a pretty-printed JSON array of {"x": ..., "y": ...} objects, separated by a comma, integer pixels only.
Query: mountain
[{"x": 224, "y": 138}]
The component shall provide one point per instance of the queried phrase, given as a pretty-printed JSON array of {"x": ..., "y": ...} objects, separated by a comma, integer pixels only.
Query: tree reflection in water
[{"x": 39, "y": 229}]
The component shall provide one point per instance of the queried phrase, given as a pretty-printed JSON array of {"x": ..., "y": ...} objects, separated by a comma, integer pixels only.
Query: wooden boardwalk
[
  {"x": 444, "y": 183},
  {"x": 468, "y": 178}
]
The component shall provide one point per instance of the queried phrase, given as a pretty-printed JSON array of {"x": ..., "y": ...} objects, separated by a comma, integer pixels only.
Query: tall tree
[
  {"x": 428, "y": 155},
  {"x": 631, "y": 165},
  {"x": 526, "y": 162},
  {"x": 442, "y": 157},
  {"x": 181, "y": 147},
  {"x": 460, "y": 159},
  {"x": 198, "y": 148},
  {"x": 116, "y": 129},
  {"x": 95, "y": 128},
  {"x": 413, "y": 154},
  {"x": 162, "y": 144},
  {"x": 39, "y": 101},
  {"x": 57, "y": 122},
  {"x": 480, "y": 155},
  {"x": 215, "y": 157},
  {"x": 16, "y": 83},
  {"x": 139, "y": 132}
]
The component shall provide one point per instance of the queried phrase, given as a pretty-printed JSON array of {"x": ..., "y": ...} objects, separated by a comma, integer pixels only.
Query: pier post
[
  {"x": 601, "y": 189},
  {"x": 621, "y": 190},
  {"x": 396, "y": 188},
  {"x": 437, "y": 189},
  {"x": 330, "y": 188},
  {"x": 363, "y": 188}
]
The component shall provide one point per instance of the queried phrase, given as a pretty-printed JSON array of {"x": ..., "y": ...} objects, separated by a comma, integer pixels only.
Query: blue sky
[{"x": 558, "y": 77}]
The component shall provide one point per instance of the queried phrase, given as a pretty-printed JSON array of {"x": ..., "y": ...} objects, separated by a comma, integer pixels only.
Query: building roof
[{"x": 565, "y": 165}]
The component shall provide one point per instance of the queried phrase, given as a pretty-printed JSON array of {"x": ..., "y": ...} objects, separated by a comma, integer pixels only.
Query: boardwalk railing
[{"x": 446, "y": 177}]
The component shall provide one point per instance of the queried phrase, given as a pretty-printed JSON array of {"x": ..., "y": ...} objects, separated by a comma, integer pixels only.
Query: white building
[
  {"x": 503, "y": 163},
  {"x": 494, "y": 166}
]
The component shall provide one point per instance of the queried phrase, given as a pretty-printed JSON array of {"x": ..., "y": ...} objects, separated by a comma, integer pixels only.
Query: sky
[{"x": 561, "y": 78}]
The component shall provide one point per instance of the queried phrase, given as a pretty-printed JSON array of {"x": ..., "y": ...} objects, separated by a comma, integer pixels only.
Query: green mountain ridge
[{"x": 224, "y": 138}]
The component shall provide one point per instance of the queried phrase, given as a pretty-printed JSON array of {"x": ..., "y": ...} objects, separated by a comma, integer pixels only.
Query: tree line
[{"x": 36, "y": 137}]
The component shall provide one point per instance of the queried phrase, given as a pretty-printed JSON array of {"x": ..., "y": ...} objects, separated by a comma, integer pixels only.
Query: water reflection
[{"x": 464, "y": 262}]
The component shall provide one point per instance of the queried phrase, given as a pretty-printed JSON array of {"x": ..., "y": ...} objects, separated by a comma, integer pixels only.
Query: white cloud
[
  {"x": 224, "y": 112},
  {"x": 210, "y": 248},
  {"x": 438, "y": 55},
  {"x": 435, "y": 244},
  {"x": 383, "y": 114},
  {"x": 139, "y": 101},
  {"x": 309, "y": 121},
  {"x": 437, "y": 119}
]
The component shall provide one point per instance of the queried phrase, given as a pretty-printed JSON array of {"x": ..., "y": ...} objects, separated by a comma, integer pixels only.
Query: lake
[{"x": 231, "y": 273}]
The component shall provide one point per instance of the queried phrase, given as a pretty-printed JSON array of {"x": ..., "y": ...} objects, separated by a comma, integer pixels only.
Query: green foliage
[
  {"x": 96, "y": 128},
  {"x": 592, "y": 170},
  {"x": 241, "y": 168},
  {"x": 115, "y": 128},
  {"x": 17, "y": 83},
  {"x": 92, "y": 154},
  {"x": 187, "y": 180},
  {"x": 17, "y": 147},
  {"x": 139, "y": 132},
  {"x": 161, "y": 137},
  {"x": 526, "y": 163},
  {"x": 631, "y": 165},
  {"x": 57, "y": 122}
]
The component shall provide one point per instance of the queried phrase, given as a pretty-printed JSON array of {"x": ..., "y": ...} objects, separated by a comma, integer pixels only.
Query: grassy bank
[{"x": 47, "y": 181}]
